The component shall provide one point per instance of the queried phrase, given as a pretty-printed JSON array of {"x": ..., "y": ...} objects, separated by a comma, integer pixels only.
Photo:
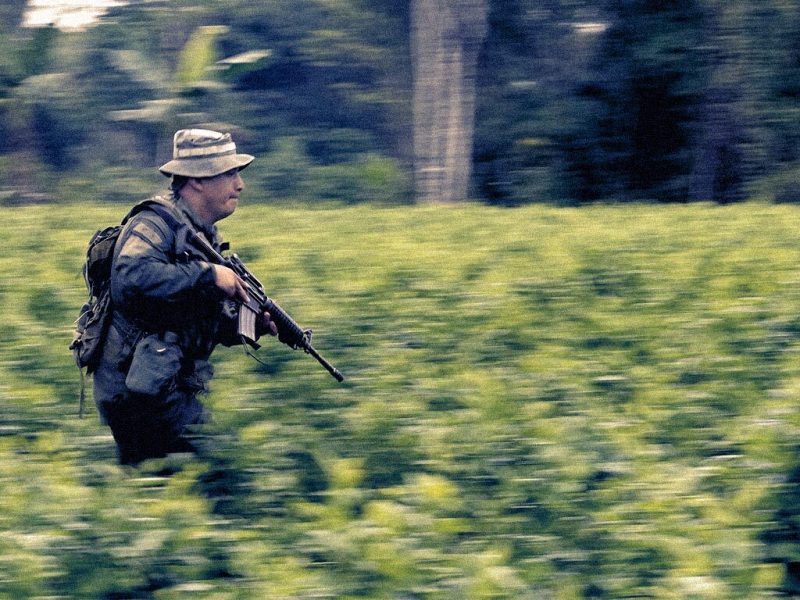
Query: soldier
[{"x": 170, "y": 307}]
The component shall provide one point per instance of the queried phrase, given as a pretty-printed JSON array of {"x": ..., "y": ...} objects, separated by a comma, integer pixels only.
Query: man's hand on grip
[{"x": 230, "y": 283}]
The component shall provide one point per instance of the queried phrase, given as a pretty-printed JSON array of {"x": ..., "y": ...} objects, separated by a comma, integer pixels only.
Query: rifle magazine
[{"x": 247, "y": 323}]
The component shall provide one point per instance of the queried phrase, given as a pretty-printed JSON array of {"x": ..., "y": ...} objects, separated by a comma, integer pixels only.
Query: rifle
[{"x": 289, "y": 332}]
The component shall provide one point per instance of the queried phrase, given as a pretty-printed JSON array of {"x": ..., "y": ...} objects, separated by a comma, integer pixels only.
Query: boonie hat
[{"x": 203, "y": 153}]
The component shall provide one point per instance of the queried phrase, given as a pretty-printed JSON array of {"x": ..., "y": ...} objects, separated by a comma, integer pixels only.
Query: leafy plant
[{"x": 539, "y": 402}]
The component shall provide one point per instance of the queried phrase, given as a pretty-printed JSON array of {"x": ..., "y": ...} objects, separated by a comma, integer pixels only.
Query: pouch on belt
[{"x": 155, "y": 365}]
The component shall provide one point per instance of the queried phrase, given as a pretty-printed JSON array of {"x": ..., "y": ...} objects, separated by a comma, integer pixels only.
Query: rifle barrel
[{"x": 328, "y": 366}]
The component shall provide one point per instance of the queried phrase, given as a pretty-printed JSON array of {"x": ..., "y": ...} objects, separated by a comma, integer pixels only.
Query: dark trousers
[{"x": 153, "y": 426}]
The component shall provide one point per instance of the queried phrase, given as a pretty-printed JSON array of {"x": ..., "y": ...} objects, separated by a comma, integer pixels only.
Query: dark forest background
[{"x": 576, "y": 101}]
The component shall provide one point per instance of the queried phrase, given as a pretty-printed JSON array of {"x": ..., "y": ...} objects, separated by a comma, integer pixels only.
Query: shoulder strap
[
  {"x": 178, "y": 226},
  {"x": 160, "y": 208}
]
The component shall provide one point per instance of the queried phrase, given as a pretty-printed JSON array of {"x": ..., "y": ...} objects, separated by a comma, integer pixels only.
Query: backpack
[{"x": 94, "y": 318}]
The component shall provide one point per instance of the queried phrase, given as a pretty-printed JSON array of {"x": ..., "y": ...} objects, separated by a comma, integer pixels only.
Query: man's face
[{"x": 221, "y": 194}]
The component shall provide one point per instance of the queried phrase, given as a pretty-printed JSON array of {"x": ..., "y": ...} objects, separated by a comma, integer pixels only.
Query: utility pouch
[{"x": 155, "y": 364}]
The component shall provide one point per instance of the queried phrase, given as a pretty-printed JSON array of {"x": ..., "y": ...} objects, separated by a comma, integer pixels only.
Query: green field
[{"x": 540, "y": 403}]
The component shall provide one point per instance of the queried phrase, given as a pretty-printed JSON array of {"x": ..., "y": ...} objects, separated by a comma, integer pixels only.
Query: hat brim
[{"x": 205, "y": 167}]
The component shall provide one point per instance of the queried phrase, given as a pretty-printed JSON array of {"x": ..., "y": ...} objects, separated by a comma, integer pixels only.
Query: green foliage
[
  {"x": 539, "y": 403},
  {"x": 289, "y": 171},
  {"x": 198, "y": 55}
]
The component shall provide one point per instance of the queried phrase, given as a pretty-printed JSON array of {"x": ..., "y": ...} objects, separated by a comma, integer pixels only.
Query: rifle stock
[{"x": 289, "y": 332}]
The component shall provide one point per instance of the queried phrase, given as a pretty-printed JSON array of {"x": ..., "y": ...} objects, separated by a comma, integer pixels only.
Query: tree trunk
[
  {"x": 446, "y": 39},
  {"x": 717, "y": 162}
]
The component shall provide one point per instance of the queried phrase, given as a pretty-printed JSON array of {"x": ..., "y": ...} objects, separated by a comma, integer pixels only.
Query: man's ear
[{"x": 195, "y": 183}]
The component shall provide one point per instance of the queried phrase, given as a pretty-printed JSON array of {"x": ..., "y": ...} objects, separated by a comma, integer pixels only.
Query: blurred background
[
  {"x": 550, "y": 243},
  {"x": 507, "y": 102}
]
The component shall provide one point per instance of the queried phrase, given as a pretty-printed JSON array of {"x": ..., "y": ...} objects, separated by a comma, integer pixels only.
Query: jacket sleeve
[{"x": 146, "y": 272}]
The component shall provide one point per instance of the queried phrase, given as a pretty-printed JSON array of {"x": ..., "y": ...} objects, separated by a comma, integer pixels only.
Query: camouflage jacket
[{"x": 160, "y": 284}]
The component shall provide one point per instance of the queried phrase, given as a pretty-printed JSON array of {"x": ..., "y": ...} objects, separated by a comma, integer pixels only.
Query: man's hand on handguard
[{"x": 266, "y": 325}]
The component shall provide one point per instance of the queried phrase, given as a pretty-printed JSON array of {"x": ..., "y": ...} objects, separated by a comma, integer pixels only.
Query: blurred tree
[
  {"x": 11, "y": 14},
  {"x": 648, "y": 78},
  {"x": 536, "y": 51},
  {"x": 771, "y": 68},
  {"x": 747, "y": 126},
  {"x": 22, "y": 54},
  {"x": 186, "y": 96},
  {"x": 158, "y": 73},
  {"x": 328, "y": 84},
  {"x": 786, "y": 81},
  {"x": 29, "y": 129},
  {"x": 717, "y": 160},
  {"x": 446, "y": 40}
]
